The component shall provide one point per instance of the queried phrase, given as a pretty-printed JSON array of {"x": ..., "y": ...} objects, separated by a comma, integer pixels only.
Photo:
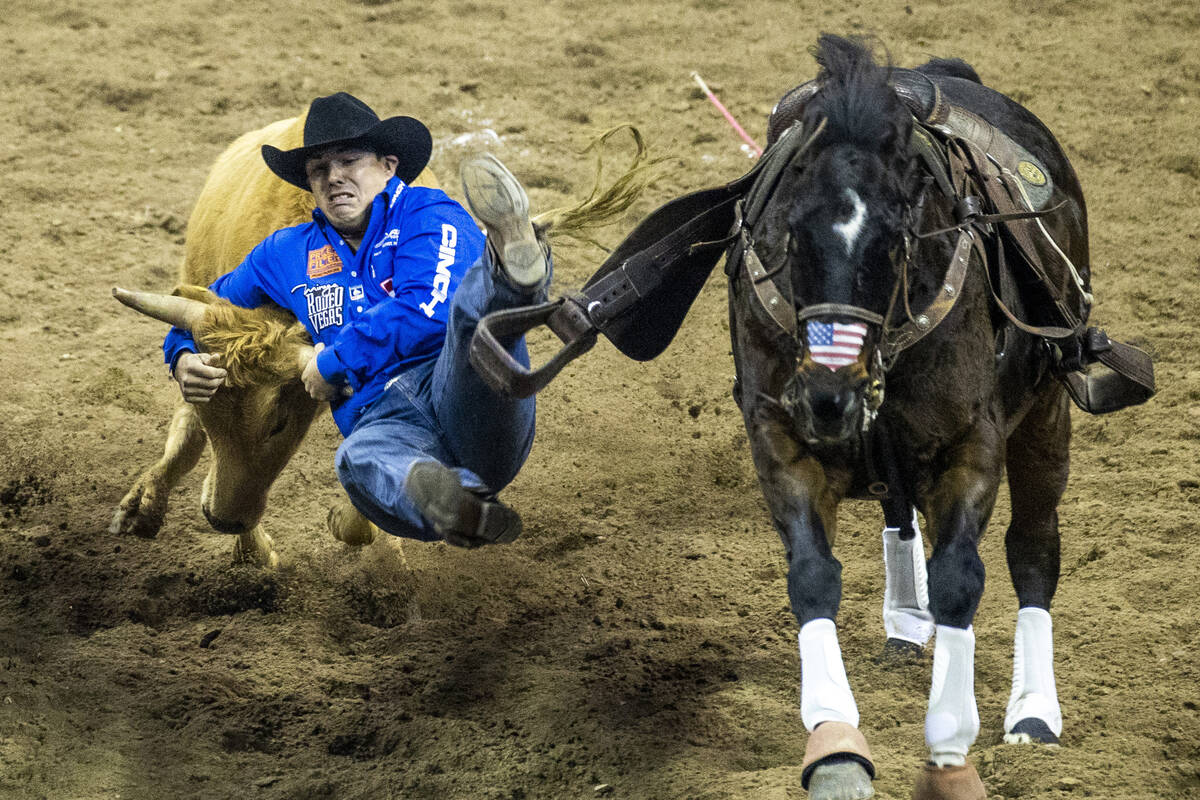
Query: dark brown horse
[
  {"x": 870, "y": 316},
  {"x": 909, "y": 291}
]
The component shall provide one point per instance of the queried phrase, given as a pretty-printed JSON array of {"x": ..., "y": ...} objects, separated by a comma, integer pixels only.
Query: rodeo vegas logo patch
[{"x": 324, "y": 305}]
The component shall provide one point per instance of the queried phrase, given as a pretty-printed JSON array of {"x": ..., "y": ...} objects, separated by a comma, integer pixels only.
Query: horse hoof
[
  {"x": 1031, "y": 730},
  {"x": 949, "y": 783},
  {"x": 900, "y": 651},
  {"x": 837, "y": 763},
  {"x": 840, "y": 780}
]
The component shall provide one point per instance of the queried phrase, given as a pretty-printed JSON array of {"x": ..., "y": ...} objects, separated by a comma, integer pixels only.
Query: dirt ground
[{"x": 636, "y": 641}]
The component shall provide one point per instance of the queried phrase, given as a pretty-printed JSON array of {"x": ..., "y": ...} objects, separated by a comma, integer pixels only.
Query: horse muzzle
[{"x": 829, "y": 407}]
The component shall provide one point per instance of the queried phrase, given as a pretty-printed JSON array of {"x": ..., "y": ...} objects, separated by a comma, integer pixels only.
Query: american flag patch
[{"x": 834, "y": 344}]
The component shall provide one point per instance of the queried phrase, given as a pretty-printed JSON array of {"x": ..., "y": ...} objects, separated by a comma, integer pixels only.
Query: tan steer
[{"x": 256, "y": 422}]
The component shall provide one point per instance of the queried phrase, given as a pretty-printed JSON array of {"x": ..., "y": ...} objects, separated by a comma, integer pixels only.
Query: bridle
[{"x": 779, "y": 307}]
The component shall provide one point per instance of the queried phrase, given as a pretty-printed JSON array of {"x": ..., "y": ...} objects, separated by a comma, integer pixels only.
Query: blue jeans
[{"x": 441, "y": 410}]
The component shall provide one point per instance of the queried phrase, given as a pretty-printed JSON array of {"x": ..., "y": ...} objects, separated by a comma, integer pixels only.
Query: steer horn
[{"x": 178, "y": 311}]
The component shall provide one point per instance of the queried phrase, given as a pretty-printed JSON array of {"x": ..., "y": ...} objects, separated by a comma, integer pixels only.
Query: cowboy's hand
[
  {"x": 315, "y": 384},
  {"x": 199, "y": 375}
]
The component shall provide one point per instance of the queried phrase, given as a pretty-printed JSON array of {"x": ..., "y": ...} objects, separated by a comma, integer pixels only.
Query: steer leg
[
  {"x": 142, "y": 510},
  {"x": 958, "y": 508},
  {"x": 1037, "y": 476}
]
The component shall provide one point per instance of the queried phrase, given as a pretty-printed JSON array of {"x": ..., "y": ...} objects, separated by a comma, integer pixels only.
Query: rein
[{"x": 786, "y": 151}]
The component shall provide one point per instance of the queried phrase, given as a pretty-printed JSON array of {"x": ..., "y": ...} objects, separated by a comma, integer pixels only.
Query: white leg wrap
[
  {"x": 952, "y": 722},
  {"x": 1033, "y": 691},
  {"x": 825, "y": 694},
  {"x": 906, "y": 588}
]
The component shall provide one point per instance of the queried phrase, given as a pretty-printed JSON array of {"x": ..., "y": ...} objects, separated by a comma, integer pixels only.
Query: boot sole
[{"x": 496, "y": 199}]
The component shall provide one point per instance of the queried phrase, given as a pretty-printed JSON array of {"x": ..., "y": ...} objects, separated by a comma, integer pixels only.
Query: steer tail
[{"x": 604, "y": 206}]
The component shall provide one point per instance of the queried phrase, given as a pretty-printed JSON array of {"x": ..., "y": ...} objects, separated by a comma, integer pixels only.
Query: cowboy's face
[{"x": 344, "y": 181}]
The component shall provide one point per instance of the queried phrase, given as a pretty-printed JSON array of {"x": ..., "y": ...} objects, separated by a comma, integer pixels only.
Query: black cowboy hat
[{"x": 343, "y": 119}]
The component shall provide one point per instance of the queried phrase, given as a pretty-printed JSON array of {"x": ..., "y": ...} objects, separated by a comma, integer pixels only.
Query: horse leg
[
  {"x": 143, "y": 508},
  {"x": 837, "y": 761},
  {"x": 906, "y": 617},
  {"x": 1038, "y": 464},
  {"x": 958, "y": 508}
]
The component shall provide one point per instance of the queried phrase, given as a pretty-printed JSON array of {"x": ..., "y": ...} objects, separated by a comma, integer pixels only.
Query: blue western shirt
[{"x": 379, "y": 310}]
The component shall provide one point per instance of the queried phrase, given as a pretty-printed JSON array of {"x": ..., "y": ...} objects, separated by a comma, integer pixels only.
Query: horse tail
[{"x": 604, "y": 206}]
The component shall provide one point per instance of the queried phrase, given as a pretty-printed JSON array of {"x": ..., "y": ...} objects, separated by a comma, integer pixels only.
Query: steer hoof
[
  {"x": 949, "y": 783},
  {"x": 141, "y": 511},
  {"x": 257, "y": 548},
  {"x": 347, "y": 525}
]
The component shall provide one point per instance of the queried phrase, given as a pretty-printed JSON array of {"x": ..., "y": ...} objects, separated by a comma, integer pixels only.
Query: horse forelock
[
  {"x": 857, "y": 101},
  {"x": 839, "y": 214},
  {"x": 848, "y": 207}
]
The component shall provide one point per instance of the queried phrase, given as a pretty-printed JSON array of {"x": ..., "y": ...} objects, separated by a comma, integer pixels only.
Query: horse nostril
[
  {"x": 830, "y": 404},
  {"x": 824, "y": 405}
]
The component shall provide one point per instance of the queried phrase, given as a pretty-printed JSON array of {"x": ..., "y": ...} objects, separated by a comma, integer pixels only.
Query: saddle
[{"x": 641, "y": 293}]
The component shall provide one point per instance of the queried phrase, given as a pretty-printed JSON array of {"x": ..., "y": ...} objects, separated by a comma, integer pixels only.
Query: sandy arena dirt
[{"x": 636, "y": 641}]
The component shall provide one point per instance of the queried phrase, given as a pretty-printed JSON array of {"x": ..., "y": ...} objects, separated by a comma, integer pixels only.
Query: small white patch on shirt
[{"x": 851, "y": 228}]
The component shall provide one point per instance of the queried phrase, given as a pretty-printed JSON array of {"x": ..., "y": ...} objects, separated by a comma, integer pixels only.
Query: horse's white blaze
[
  {"x": 952, "y": 721},
  {"x": 850, "y": 229},
  {"x": 1034, "y": 693},
  {"x": 825, "y": 694},
  {"x": 906, "y": 588}
]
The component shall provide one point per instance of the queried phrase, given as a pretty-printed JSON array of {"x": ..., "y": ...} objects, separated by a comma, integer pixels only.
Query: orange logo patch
[{"x": 323, "y": 262}]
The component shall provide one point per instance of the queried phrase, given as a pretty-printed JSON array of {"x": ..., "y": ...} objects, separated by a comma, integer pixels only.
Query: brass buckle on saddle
[{"x": 497, "y": 366}]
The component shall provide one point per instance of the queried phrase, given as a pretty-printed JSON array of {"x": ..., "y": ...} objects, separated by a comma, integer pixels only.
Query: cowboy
[{"x": 390, "y": 280}]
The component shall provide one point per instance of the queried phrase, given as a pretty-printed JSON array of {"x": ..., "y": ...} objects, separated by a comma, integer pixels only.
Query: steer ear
[{"x": 178, "y": 311}]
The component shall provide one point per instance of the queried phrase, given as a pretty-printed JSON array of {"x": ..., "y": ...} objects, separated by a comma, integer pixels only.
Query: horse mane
[{"x": 950, "y": 68}]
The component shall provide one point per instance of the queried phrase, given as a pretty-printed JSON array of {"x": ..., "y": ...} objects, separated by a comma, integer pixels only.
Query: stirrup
[{"x": 1103, "y": 375}]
